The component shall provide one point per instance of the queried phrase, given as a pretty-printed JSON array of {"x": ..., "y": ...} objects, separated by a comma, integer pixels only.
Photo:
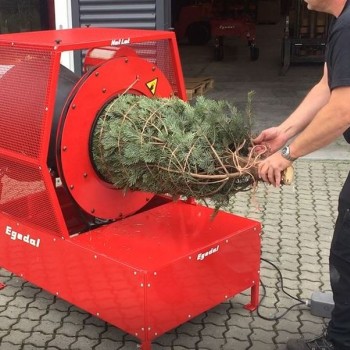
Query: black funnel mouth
[{"x": 66, "y": 82}]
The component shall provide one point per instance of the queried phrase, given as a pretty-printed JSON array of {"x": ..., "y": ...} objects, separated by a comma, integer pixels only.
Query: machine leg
[
  {"x": 254, "y": 52},
  {"x": 146, "y": 345},
  {"x": 219, "y": 48},
  {"x": 254, "y": 298}
]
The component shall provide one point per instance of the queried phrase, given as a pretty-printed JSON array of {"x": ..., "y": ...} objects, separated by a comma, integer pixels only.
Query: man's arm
[
  {"x": 314, "y": 101},
  {"x": 274, "y": 138},
  {"x": 317, "y": 124},
  {"x": 330, "y": 122}
]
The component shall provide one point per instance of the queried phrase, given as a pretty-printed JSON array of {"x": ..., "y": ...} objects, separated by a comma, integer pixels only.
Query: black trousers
[{"x": 339, "y": 265}]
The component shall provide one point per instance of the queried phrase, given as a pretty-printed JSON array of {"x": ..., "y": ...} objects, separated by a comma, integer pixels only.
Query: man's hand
[
  {"x": 270, "y": 169},
  {"x": 271, "y": 139}
]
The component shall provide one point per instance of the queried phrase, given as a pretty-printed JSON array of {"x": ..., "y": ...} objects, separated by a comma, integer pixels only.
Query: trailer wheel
[
  {"x": 219, "y": 48},
  {"x": 254, "y": 53},
  {"x": 198, "y": 33}
]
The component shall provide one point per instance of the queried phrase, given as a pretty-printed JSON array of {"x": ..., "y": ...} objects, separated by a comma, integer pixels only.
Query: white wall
[{"x": 63, "y": 18}]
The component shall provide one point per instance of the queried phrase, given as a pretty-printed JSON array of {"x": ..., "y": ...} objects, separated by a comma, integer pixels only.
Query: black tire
[
  {"x": 282, "y": 54},
  {"x": 218, "y": 53},
  {"x": 198, "y": 33},
  {"x": 219, "y": 49},
  {"x": 254, "y": 53}
]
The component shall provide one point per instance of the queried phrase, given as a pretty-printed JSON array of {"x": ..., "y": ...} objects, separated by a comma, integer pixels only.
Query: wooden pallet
[{"x": 198, "y": 86}]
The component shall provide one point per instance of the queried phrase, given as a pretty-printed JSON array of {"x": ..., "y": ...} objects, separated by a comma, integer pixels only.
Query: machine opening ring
[{"x": 88, "y": 189}]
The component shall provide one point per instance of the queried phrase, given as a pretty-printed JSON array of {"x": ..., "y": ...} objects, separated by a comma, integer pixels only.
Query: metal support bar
[
  {"x": 146, "y": 345},
  {"x": 254, "y": 298},
  {"x": 304, "y": 36}
]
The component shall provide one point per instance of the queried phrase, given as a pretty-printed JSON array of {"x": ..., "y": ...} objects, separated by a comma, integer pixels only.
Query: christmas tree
[{"x": 167, "y": 146}]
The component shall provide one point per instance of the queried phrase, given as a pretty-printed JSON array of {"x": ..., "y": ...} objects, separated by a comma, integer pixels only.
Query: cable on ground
[{"x": 277, "y": 317}]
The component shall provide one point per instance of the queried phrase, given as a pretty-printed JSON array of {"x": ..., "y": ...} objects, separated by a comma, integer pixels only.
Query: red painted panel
[
  {"x": 78, "y": 38},
  {"x": 92, "y": 281},
  {"x": 157, "y": 237},
  {"x": 144, "y": 274},
  {"x": 185, "y": 288}
]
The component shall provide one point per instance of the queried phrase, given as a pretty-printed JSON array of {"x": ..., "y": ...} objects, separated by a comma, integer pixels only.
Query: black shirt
[
  {"x": 338, "y": 50},
  {"x": 338, "y": 53}
]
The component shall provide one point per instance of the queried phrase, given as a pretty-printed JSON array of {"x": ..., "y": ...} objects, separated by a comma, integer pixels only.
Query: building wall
[
  {"x": 138, "y": 14},
  {"x": 63, "y": 20},
  {"x": 135, "y": 14}
]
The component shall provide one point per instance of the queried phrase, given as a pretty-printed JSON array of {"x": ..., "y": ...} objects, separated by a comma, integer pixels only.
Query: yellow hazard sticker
[{"x": 152, "y": 85}]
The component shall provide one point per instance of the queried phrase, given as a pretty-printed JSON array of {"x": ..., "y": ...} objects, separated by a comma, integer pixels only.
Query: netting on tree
[{"x": 167, "y": 146}]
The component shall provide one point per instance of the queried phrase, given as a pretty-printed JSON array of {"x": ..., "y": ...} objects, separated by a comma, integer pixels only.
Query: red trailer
[
  {"x": 200, "y": 21},
  {"x": 142, "y": 262}
]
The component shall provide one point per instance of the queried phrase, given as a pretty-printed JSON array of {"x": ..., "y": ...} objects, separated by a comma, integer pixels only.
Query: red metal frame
[
  {"x": 87, "y": 188},
  {"x": 145, "y": 274},
  {"x": 165, "y": 262},
  {"x": 234, "y": 28},
  {"x": 219, "y": 25},
  {"x": 208, "y": 19}
]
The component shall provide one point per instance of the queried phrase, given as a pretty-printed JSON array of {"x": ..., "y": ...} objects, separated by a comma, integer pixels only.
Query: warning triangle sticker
[{"x": 152, "y": 85}]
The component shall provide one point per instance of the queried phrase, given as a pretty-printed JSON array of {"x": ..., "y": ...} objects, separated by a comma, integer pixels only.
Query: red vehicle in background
[{"x": 202, "y": 20}]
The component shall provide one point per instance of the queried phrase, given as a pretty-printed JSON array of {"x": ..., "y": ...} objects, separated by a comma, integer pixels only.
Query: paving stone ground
[{"x": 297, "y": 229}]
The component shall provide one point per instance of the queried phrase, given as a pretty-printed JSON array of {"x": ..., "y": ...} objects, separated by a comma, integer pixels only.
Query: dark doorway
[{"x": 26, "y": 15}]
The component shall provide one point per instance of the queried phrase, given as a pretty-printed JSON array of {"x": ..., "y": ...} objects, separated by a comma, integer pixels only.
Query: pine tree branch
[{"x": 168, "y": 146}]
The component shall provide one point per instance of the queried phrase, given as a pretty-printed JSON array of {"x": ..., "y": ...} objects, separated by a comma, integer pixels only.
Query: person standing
[{"x": 321, "y": 117}]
